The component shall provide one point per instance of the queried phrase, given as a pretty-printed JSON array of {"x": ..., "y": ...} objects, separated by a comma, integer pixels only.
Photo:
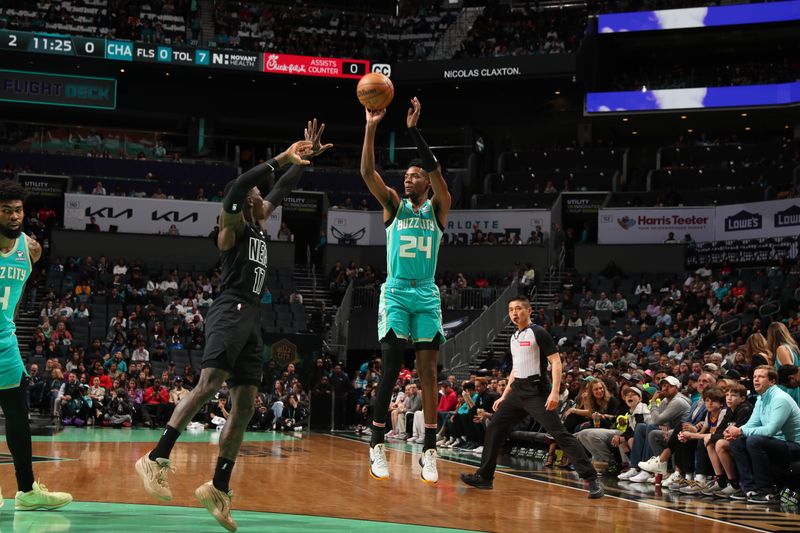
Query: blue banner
[
  {"x": 694, "y": 98},
  {"x": 699, "y": 17}
]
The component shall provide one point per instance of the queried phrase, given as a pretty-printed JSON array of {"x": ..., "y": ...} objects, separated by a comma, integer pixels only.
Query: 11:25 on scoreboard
[{"x": 46, "y": 43}]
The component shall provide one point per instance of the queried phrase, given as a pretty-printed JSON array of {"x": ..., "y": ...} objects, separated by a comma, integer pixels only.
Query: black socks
[
  {"x": 222, "y": 474},
  {"x": 165, "y": 443}
]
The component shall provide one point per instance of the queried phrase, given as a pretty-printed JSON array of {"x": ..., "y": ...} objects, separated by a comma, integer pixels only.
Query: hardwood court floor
[{"x": 320, "y": 482}]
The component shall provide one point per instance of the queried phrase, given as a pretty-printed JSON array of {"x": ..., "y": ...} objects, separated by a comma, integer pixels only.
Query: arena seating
[{"x": 93, "y": 18}]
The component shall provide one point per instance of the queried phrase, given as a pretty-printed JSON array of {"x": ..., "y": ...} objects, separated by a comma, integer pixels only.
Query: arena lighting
[
  {"x": 684, "y": 117},
  {"x": 683, "y": 100},
  {"x": 699, "y": 17},
  {"x": 690, "y": 130},
  {"x": 624, "y": 119},
  {"x": 634, "y": 133},
  {"x": 744, "y": 114},
  {"x": 558, "y": 92},
  {"x": 747, "y": 128},
  {"x": 122, "y": 70},
  {"x": 644, "y": 88}
]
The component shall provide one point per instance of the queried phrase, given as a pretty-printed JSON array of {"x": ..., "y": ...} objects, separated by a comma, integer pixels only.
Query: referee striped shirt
[{"x": 529, "y": 350}]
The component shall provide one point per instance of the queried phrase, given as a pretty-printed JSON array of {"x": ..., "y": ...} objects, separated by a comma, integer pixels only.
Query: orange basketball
[{"x": 375, "y": 91}]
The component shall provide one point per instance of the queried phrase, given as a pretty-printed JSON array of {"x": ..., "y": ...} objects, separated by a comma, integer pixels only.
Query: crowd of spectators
[
  {"x": 136, "y": 332},
  {"x": 307, "y": 29},
  {"x": 457, "y": 289},
  {"x": 669, "y": 373},
  {"x": 152, "y": 21},
  {"x": 512, "y": 31}
]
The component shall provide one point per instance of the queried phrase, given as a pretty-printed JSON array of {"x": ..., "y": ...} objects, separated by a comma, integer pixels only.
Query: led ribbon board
[{"x": 699, "y": 17}]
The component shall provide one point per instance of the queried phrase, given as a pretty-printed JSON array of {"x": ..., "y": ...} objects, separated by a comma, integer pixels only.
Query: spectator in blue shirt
[{"x": 763, "y": 447}]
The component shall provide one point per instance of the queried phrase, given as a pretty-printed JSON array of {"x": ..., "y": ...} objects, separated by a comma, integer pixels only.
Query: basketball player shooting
[
  {"x": 18, "y": 253},
  {"x": 410, "y": 307},
  {"x": 233, "y": 325}
]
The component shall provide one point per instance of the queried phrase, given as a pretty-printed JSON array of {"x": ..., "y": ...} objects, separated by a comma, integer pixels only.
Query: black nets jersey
[{"x": 244, "y": 267}]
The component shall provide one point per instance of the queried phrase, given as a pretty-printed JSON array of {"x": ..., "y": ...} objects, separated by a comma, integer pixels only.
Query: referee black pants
[{"x": 524, "y": 399}]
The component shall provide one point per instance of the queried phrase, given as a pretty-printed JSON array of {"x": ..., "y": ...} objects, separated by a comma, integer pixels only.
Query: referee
[{"x": 529, "y": 392}]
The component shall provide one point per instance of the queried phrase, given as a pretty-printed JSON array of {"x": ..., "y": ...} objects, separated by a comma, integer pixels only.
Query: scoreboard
[{"x": 138, "y": 52}]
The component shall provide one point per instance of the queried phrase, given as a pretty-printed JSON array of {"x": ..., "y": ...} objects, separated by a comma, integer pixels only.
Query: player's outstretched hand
[
  {"x": 374, "y": 115},
  {"x": 314, "y": 135},
  {"x": 295, "y": 153},
  {"x": 413, "y": 113}
]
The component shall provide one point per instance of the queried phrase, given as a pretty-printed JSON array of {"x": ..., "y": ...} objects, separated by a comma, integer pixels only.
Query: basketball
[{"x": 375, "y": 91}]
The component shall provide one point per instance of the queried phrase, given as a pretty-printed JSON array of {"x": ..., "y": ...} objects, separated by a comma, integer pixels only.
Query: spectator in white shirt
[
  {"x": 120, "y": 268},
  {"x": 140, "y": 353}
]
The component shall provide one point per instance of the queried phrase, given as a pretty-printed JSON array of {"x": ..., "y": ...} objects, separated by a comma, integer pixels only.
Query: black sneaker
[
  {"x": 595, "y": 488},
  {"x": 741, "y": 495},
  {"x": 478, "y": 482},
  {"x": 766, "y": 498}
]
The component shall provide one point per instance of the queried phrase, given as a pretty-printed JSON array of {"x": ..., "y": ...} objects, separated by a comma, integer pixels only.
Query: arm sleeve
[
  {"x": 285, "y": 185},
  {"x": 545, "y": 341},
  {"x": 232, "y": 203},
  {"x": 429, "y": 161}
]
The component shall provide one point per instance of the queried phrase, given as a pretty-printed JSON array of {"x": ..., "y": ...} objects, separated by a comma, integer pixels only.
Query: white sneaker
[
  {"x": 419, "y": 440},
  {"x": 678, "y": 485},
  {"x": 653, "y": 465},
  {"x": 478, "y": 450},
  {"x": 441, "y": 442},
  {"x": 429, "y": 473},
  {"x": 40, "y": 498},
  {"x": 411, "y": 439},
  {"x": 711, "y": 489},
  {"x": 378, "y": 467},
  {"x": 673, "y": 478},
  {"x": 693, "y": 487},
  {"x": 629, "y": 473},
  {"x": 641, "y": 477},
  {"x": 726, "y": 492}
]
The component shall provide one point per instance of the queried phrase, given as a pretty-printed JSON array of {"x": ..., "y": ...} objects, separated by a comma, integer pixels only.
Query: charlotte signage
[
  {"x": 778, "y": 218},
  {"x": 57, "y": 89},
  {"x": 498, "y": 68},
  {"x": 367, "y": 228},
  {"x": 651, "y": 226},
  {"x": 146, "y": 215}
]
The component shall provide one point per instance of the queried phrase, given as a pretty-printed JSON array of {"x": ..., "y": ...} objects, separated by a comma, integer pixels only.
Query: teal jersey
[
  {"x": 412, "y": 242},
  {"x": 15, "y": 267}
]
